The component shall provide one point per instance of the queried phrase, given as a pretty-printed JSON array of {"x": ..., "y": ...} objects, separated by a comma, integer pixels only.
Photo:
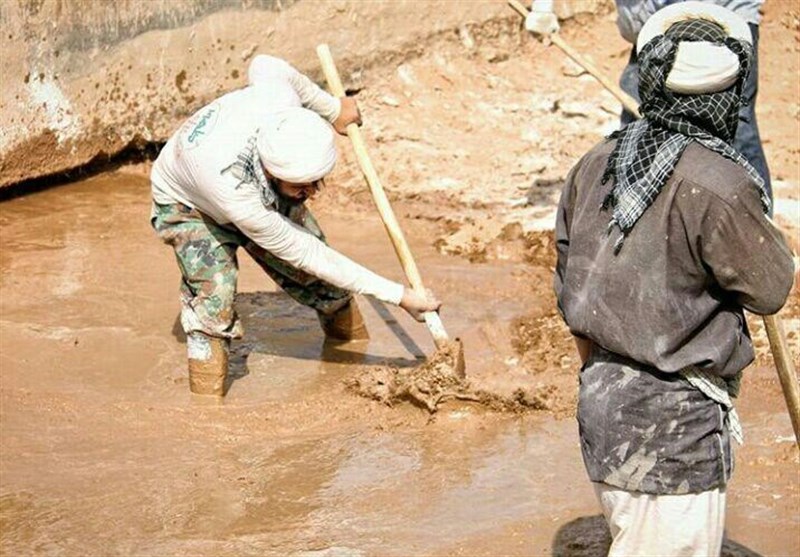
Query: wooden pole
[
  {"x": 786, "y": 370},
  {"x": 432, "y": 318}
]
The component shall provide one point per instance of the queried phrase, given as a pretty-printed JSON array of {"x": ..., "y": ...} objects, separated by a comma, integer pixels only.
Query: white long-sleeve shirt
[{"x": 190, "y": 168}]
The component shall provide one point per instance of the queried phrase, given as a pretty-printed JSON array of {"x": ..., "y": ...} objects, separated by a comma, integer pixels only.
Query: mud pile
[{"x": 434, "y": 382}]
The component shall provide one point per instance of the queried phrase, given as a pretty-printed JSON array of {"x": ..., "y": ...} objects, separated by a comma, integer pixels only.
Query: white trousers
[{"x": 663, "y": 525}]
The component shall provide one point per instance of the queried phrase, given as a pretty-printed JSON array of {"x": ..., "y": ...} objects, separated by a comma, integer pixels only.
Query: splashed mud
[
  {"x": 426, "y": 385},
  {"x": 436, "y": 381}
]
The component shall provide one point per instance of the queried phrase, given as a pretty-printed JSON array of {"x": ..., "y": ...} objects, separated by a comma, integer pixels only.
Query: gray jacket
[{"x": 674, "y": 294}]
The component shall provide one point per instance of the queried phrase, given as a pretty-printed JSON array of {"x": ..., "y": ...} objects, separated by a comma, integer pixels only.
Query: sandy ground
[{"x": 105, "y": 452}]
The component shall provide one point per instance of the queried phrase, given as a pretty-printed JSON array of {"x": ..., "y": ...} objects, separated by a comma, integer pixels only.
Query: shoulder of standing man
[{"x": 742, "y": 249}]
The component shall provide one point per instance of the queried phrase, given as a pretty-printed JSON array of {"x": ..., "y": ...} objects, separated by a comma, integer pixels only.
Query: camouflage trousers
[{"x": 206, "y": 254}]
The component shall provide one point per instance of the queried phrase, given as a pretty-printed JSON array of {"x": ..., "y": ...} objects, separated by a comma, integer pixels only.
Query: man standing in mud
[
  {"x": 663, "y": 240},
  {"x": 237, "y": 174}
]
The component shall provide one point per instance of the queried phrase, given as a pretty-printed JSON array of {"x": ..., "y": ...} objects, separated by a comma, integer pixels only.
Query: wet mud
[
  {"x": 331, "y": 449},
  {"x": 436, "y": 381},
  {"x": 106, "y": 452},
  {"x": 426, "y": 385}
]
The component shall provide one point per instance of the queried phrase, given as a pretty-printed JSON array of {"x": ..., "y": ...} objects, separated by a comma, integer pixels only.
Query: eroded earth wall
[{"x": 84, "y": 79}]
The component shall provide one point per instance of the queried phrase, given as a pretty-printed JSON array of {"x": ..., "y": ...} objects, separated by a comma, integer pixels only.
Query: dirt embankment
[{"x": 83, "y": 80}]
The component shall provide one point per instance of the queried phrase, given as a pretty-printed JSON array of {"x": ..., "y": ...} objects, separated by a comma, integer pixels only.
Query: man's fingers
[
  {"x": 433, "y": 303},
  {"x": 351, "y": 114},
  {"x": 419, "y": 302},
  {"x": 357, "y": 117}
]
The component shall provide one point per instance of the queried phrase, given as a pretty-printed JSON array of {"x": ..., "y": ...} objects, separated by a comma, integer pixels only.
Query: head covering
[
  {"x": 659, "y": 23},
  {"x": 296, "y": 145},
  {"x": 647, "y": 151},
  {"x": 699, "y": 66}
]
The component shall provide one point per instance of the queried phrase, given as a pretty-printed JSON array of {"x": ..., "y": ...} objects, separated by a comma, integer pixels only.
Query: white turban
[
  {"x": 699, "y": 66},
  {"x": 296, "y": 145}
]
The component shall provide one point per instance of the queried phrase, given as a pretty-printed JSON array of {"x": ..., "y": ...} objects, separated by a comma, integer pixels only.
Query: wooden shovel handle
[
  {"x": 786, "y": 370},
  {"x": 432, "y": 319},
  {"x": 777, "y": 339}
]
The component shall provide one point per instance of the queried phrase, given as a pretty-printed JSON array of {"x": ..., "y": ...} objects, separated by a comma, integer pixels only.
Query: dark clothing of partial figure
[
  {"x": 747, "y": 140},
  {"x": 671, "y": 299}
]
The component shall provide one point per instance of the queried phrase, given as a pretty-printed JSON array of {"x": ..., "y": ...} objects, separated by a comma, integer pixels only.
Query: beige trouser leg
[{"x": 663, "y": 525}]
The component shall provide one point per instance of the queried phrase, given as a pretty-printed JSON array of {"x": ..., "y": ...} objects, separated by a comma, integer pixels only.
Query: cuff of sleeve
[
  {"x": 393, "y": 293},
  {"x": 336, "y": 105}
]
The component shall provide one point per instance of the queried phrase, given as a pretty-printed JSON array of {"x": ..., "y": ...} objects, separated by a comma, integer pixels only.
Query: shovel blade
[{"x": 451, "y": 354}]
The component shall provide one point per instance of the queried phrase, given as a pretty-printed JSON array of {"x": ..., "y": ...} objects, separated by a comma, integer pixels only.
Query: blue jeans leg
[{"x": 748, "y": 140}]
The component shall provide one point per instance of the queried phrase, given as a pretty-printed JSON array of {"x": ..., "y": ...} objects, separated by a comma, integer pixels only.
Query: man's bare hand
[
  {"x": 348, "y": 115},
  {"x": 418, "y": 302}
]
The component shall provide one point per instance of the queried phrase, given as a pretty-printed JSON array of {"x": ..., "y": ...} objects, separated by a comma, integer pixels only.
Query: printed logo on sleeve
[{"x": 199, "y": 125}]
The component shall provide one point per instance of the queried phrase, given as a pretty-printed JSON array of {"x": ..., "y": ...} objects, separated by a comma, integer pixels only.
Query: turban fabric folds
[{"x": 296, "y": 145}]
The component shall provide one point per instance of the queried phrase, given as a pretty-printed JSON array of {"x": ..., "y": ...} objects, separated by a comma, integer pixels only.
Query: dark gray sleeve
[
  {"x": 563, "y": 220},
  {"x": 746, "y": 253}
]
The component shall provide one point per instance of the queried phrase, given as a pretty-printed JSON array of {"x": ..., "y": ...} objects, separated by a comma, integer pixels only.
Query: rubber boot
[
  {"x": 208, "y": 364},
  {"x": 345, "y": 324}
]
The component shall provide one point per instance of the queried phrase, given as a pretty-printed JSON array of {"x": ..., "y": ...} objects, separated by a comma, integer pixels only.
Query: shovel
[
  {"x": 447, "y": 349},
  {"x": 777, "y": 338}
]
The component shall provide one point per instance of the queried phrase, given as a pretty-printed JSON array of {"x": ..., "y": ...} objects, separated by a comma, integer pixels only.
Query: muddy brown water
[{"x": 104, "y": 451}]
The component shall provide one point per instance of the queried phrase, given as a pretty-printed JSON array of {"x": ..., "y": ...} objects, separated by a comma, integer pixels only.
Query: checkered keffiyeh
[
  {"x": 648, "y": 150},
  {"x": 248, "y": 170}
]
